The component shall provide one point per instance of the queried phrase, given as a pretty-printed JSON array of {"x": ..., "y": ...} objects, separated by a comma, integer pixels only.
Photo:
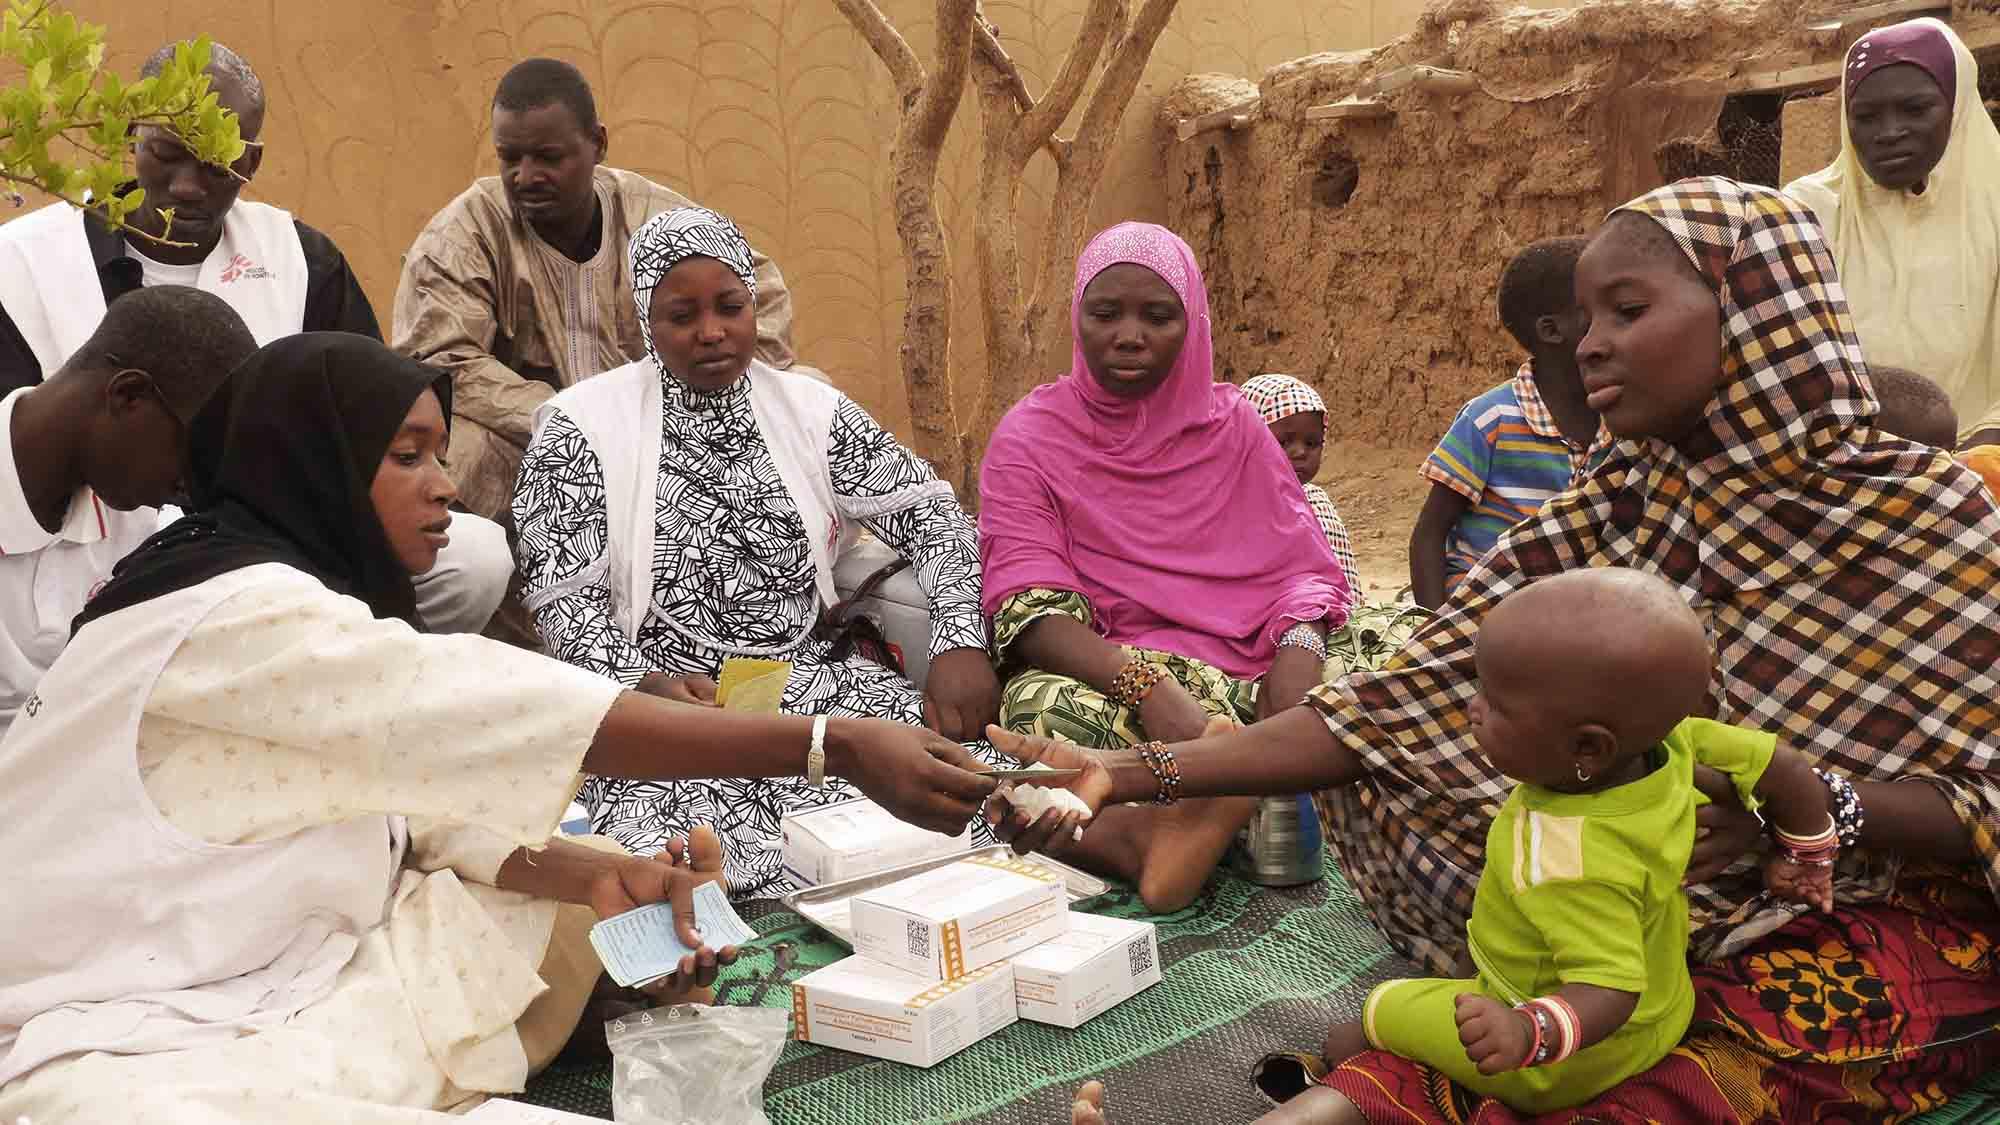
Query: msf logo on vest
[{"x": 241, "y": 268}]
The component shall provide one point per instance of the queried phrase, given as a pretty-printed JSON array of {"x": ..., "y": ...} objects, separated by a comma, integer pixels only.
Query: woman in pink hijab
[{"x": 1150, "y": 561}]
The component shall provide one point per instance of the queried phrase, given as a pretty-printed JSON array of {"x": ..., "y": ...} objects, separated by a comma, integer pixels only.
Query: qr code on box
[
  {"x": 1140, "y": 953},
  {"x": 919, "y": 935}
]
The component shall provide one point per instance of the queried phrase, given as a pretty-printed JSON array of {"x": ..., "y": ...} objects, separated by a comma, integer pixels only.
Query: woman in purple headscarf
[{"x": 1150, "y": 561}]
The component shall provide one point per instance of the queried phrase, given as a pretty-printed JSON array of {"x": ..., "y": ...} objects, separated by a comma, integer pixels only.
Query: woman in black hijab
[{"x": 266, "y": 711}]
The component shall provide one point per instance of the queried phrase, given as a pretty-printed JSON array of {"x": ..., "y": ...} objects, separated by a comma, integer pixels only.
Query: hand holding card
[{"x": 639, "y": 946}]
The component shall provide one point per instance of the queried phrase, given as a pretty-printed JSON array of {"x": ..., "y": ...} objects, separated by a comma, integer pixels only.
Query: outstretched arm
[{"x": 1292, "y": 752}]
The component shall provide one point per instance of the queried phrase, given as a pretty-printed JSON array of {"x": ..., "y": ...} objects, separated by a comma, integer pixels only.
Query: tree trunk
[
  {"x": 1019, "y": 326},
  {"x": 929, "y": 102}
]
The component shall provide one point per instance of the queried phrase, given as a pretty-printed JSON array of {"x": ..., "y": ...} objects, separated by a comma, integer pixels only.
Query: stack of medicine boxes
[{"x": 951, "y": 955}]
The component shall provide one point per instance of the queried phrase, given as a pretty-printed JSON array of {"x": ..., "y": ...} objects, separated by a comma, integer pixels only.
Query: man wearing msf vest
[{"x": 60, "y": 267}]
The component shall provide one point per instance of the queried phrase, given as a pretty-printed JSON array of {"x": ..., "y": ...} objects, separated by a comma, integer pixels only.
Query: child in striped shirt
[{"x": 1517, "y": 445}]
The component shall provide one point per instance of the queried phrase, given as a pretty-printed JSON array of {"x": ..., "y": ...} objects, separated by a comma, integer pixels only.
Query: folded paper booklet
[
  {"x": 639, "y": 946},
  {"x": 752, "y": 685}
]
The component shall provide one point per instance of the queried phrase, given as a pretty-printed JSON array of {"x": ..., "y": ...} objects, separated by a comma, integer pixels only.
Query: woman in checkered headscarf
[
  {"x": 1848, "y": 581},
  {"x": 1850, "y": 587}
]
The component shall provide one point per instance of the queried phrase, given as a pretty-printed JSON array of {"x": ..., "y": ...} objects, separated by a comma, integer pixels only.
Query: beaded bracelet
[
  {"x": 1306, "y": 637},
  {"x": 1848, "y": 815},
  {"x": 1135, "y": 682},
  {"x": 1166, "y": 770}
]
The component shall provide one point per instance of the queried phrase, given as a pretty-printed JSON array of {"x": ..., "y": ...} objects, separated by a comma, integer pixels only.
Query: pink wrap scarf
[{"x": 1176, "y": 515}]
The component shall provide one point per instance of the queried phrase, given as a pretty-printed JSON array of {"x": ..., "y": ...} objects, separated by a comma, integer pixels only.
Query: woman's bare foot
[
  {"x": 1186, "y": 845},
  {"x": 1088, "y": 1108},
  {"x": 1188, "y": 841}
]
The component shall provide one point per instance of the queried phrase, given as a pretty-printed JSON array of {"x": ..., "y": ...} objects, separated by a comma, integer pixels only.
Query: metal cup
[{"x": 1281, "y": 846}]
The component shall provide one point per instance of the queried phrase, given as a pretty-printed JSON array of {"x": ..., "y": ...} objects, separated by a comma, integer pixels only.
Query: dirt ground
[{"x": 1378, "y": 492}]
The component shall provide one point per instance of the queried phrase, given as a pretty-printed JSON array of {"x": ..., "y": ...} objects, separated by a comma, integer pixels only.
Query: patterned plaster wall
[{"x": 772, "y": 110}]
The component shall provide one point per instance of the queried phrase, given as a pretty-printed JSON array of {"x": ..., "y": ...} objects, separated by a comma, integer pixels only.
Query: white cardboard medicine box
[
  {"x": 1091, "y": 966},
  {"x": 855, "y": 838},
  {"x": 951, "y": 920},
  {"x": 867, "y": 1007}
]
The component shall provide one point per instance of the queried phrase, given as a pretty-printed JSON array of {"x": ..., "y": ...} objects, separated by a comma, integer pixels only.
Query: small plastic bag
[{"x": 694, "y": 1063}]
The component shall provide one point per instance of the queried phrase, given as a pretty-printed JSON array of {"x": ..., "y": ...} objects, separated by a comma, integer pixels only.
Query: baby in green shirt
[{"x": 1579, "y": 930}]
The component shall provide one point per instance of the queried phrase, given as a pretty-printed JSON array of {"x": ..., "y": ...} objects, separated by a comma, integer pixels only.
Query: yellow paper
[{"x": 752, "y": 685}]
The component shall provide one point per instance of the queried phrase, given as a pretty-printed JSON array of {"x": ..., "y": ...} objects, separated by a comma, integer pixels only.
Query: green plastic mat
[
  {"x": 1246, "y": 970},
  {"x": 1978, "y": 1106}
]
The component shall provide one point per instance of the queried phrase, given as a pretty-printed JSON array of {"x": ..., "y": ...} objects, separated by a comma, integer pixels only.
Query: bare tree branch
[
  {"x": 946, "y": 85},
  {"x": 1015, "y": 125},
  {"x": 996, "y": 247},
  {"x": 1120, "y": 81},
  {"x": 1039, "y": 124},
  {"x": 888, "y": 44},
  {"x": 986, "y": 41},
  {"x": 999, "y": 66}
]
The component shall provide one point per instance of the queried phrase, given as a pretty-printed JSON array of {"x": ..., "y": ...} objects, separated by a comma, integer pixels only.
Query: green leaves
[{"x": 65, "y": 128}]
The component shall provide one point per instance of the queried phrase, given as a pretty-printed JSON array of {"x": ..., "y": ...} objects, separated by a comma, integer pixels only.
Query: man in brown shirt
[{"x": 520, "y": 287}]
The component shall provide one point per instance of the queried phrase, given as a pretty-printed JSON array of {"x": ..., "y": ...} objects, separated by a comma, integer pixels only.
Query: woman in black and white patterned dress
[{"x": 748, "y": 459}]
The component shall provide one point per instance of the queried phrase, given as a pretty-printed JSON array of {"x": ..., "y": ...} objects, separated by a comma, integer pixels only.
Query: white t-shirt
[
  {"x": 46, "y": 577},
  {"x": 160, "y": 273}
]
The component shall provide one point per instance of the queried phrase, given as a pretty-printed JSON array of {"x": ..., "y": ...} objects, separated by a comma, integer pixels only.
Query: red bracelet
[
  {"x": 1567, "y": 1025},
  {"x": 1537, "y": 1047},
  {"x": 1817, "y": 850},
  {"x": 1557, "y": 1030}
]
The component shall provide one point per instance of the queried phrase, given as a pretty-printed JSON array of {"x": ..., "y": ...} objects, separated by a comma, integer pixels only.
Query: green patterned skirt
[{"x": 1053, "y": 706}]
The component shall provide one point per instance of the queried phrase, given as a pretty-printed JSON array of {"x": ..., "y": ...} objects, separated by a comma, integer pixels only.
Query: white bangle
[{"x": 816, "y": 754}]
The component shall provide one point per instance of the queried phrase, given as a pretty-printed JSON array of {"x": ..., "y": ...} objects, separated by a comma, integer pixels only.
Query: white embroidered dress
[{"x": 259, "y": 725}]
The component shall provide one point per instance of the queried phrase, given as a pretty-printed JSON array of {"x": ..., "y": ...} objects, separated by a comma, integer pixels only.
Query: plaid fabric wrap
[
  {"x": 1847, "y": 579},
  {"x": 1278, "y": 397}
]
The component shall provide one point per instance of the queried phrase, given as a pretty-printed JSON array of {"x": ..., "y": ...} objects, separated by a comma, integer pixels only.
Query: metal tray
[{"x": 826, "y": 905}]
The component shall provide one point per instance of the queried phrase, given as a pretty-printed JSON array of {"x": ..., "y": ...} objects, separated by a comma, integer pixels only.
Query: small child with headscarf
[{"x": 1297, "y": 417}]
